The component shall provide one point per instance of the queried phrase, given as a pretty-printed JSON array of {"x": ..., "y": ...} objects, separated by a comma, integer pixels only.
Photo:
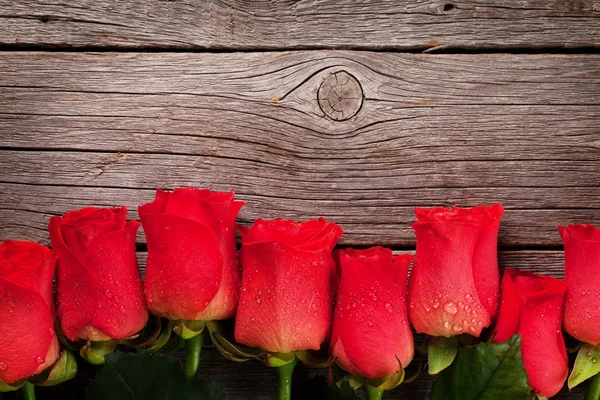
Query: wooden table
[{"x": 355, "y": 111}]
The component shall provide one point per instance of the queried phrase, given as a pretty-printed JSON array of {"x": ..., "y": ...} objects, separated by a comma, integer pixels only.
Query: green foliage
[
  {"x": 146, "y": 376},
  {"x": 485, "y": 372}
]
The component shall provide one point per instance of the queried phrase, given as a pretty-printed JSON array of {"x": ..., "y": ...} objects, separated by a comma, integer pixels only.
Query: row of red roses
[{"x": 283, "y": 294}]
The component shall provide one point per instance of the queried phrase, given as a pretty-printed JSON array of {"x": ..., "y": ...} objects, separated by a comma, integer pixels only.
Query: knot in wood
[{"x": 340, "y": 96}]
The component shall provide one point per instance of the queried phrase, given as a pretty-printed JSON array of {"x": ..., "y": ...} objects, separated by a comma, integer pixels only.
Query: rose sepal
[
  {"x": 277, "y": 359},
  {"x": 5, "y": 387},
  {"x": 162, "y": 339},
  {"x": 586, "y": 364},
  {"x": 314, "y": 359},
  {"x": 441, "y": 352},
  {"x": 64, "y": 369},
  {"x": 228, "y": 348},
  {"x": 94, "y": 352},
  {"x": 187, "y": 329},
  {"x": 388, "y": 382},
  {"x": 148, "y": 336}
]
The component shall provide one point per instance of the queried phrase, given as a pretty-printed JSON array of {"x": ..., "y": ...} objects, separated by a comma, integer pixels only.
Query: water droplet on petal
[
  {"x": 458, "y": 327},
  {"x": 451, "y": 308},
  {"x": 389, "y": 307},
  {"x": 39, "y": 360},
  {"x": 3, "y": 366},
  {"x": 436, "y": 303},
  {"x": 51, "y": 332},
  {"x": 108, "y": 293},
  {"x": 257, "y": 298}
]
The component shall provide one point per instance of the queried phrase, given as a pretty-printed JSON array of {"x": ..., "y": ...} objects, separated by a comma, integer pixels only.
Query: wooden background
[{"x": 433, "y": 103}]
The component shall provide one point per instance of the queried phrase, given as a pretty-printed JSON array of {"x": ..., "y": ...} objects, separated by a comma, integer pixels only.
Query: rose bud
[
  {"x": 192, "y": 274},
  {"x": 288, "y": 284},
  {"x": 370, "y": 335},
  {"x": 453, "y": 287},
  {"x": 28, "y": 344},
  {"x": 100, "y": 292},
  {"x": 582, "y": 267},
  {"x": 192, "y": 271},
  {"x": 532, "y": 307}
]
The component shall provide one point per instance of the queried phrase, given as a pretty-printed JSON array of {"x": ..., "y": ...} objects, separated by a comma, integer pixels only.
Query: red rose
[
  {"x": 192, "y": 271},
  {"x": 99, "y": 285},
  {"x": 288, "y": 284},
  {"x": 28, "y": 344},
  {"x": 532, "y": 307},
  {"x": 370, "y": 332},
  {"x": 453, "y": 287},
  {"x": 582, "y": 267}
]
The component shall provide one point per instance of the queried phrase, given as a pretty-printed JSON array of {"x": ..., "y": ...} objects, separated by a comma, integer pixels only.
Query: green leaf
[
  {"x": 485, "y": 372},
  {"x": 209, "y": 389},
  {"x": 586, "y": 364},
  {"x": 441, "y": 351},
  {"x": 146, "y": 376}
]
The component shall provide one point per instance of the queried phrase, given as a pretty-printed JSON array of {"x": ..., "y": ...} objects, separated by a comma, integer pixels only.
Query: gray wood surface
[
  {"x": 108, "y": 128},
  {"x": 286, "y": 24},
  {"x": 359, "y": 137}
]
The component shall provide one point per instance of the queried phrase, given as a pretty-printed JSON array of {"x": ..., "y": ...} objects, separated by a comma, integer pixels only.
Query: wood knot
[{"x": 340, "y": 96}]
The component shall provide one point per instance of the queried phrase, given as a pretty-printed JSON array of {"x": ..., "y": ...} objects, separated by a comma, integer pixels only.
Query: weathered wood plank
[
  {"x": 548, "y": 262},
  {"x": 26, "y": 209},
  {"x": 107, "y": 129},
  {"x": 282, "y": 24}
]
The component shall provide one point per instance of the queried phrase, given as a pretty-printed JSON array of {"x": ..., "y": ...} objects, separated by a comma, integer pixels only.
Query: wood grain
[
  {"x": 106, "y": 129},
  {"x": 284, "y": 24},
  {"x": 548, "y": 262}
]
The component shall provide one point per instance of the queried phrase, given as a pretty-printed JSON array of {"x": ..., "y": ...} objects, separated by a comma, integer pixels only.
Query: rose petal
[
  {"x": 286, "y": 297},
  {"x": 370, "y": 331},
  {"x": 582, "y": 263},
  {"x": 25, "y": 331},
  {"x": 184, "y": 268}
]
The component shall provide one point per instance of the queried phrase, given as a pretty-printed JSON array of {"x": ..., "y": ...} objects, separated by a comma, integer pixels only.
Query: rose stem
[
  {"x": 193, "y": 347},
  {"x": 28, "y": 391},
  {"x": 284, "y": 374},
  {"x": 373, "y": 393},
  {"x": 594, "y": 389}
]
